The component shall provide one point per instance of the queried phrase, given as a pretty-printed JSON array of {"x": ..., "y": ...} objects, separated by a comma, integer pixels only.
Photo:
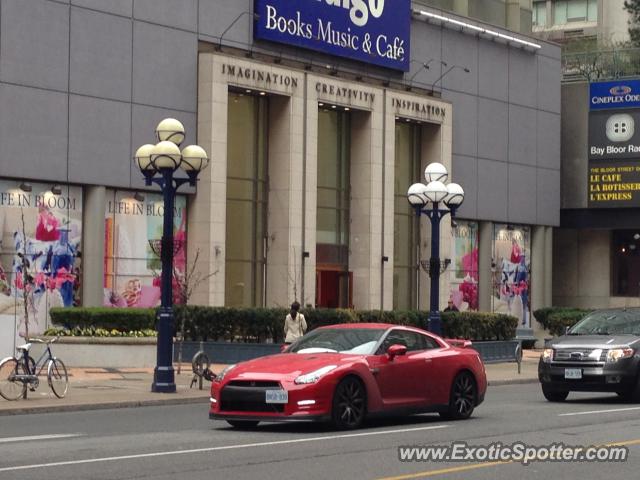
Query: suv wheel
[{"x": 554, "y": 395}]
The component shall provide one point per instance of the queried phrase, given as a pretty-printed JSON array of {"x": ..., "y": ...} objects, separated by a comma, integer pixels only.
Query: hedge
[
  {"x": 262, "y": 324},
  {"x": 121, "y": 319},
  {"x": 557, "y": 319}
]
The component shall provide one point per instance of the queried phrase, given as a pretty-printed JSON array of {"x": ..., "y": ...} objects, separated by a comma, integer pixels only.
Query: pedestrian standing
[{"x": 295, "y": 325}]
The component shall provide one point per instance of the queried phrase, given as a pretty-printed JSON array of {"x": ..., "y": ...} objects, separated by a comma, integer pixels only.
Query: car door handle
[
  {"x": 374, "y": 371},
  {"x": 427, "y": 360}
]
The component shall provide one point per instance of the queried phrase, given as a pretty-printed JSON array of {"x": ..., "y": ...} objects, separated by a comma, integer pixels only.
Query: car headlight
[
  {"x": 618, "y": 354},
  {"x": 224, "y": 372},
  {"x": 547, "y": 355},
  {"x": 314, "y": 376}
]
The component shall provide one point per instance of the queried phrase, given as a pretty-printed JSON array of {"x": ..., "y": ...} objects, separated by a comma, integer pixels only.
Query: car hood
[
  {"x": 288, "y": 365},
  {"x": 595, "y": 341}
]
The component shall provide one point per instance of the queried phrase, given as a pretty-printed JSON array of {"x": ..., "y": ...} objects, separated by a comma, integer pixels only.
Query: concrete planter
[{"x": 104, "y": 352}]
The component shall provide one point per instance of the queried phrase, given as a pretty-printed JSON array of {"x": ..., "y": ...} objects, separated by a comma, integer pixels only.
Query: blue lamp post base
[{"x": 163, "y": 374}]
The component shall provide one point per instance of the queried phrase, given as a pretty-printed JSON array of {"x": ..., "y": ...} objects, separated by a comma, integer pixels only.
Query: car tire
[
  {"x": 349, "y": 406},
  {"x": 243, "y": 423},
  {"x": 462, "y": 398},
  {"x": 554, "y": 395}
]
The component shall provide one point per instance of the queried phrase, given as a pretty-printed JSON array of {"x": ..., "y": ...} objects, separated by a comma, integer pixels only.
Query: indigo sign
[
  {"x": 616, "y": 94},
  {"x": 372, "y": 31}
]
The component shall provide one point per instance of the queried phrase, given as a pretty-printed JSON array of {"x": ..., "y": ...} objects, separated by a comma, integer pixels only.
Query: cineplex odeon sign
[
  {"x": 614, "y": 144},
  {"x": 371, "y": 31}
]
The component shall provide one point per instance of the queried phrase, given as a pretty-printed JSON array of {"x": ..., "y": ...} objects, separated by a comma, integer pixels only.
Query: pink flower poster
[
  {"x": 40, "y": 239},
  {"x": 463, "y": 279},
  {"x": 133, "y": 231},
  {"x": 510, "y": 268}
]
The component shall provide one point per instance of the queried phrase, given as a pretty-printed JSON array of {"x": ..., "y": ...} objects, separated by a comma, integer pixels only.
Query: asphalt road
[{"x": 180, "y": 442}]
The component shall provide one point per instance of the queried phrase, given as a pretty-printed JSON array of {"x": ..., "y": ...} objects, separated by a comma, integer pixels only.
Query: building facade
[{"x": 312, "y": 151}]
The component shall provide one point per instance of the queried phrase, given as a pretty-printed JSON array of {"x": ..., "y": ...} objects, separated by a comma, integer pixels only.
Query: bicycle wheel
[
  {"x": 10, "y": 388},
  {"x": 57, "y": 377},
  {"x": 200, "y": 363}
]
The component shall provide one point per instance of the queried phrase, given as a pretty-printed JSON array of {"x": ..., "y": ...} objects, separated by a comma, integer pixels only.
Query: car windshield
[
  {"x": 344, "y": 340},
  {"x": 618, "y": 322}
]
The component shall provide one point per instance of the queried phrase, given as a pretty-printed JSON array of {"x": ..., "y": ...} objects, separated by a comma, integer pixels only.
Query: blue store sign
[
  {"x": 372, "y": 31},
  {"x": 616, "y": 94}
]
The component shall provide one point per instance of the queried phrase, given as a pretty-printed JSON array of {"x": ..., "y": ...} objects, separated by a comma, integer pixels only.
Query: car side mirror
[{"x": 394, "y": 350}]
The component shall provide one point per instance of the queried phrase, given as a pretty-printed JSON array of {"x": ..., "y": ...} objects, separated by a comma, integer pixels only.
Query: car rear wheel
[
  {"x": 554, "y": 395},
  {"x": 462, "y": 400},
  {"x": 349, "y": 404},
  {"x": 243, "y": 423}
]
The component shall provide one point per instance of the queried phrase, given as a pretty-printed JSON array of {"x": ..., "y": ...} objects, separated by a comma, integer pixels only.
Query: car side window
[
  {"x": 430, "y": 343},
  {"x": 412, "y": 340}
]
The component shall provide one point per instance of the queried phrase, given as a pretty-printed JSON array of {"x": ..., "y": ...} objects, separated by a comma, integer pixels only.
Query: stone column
[
  {"x": 93, "y": 214},
  {"x": 485, "y": 254},
  {"x": 548, "y": 266},
  {"x": 538, "y": 274}
]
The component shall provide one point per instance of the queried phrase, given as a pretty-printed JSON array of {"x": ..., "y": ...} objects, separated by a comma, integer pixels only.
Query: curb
[
  {"x": 102, "y": 406},
  {"x": 513, "y": 381}
]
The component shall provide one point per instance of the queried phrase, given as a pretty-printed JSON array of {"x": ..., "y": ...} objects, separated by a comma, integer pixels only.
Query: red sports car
[{"x": 344, "y": 373}]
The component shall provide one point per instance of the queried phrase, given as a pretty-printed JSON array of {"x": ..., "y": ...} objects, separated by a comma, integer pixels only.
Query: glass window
[
  {"x": 560, "y": 12},
  {"x": 405, "y": 232},
  {"x": 592, "y": 14},
  {"x": 463, "y": 272},
  {"x": 333, "y": 177},
  {"x": 576, "y": 10},
  {"x": 565, "y": 11},
  {"x": 246, "y": 200},
  {"x": 540, "y": 13},
  {"x": 626, "y": 263},
  {"x": 510, "y": 268}
]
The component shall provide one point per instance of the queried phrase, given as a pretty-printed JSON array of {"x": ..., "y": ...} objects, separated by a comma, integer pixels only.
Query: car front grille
[
  {"x": 253, "y": 384},
  {"x": 248, "y": 396},
  {"x": 579, "y": 355}
]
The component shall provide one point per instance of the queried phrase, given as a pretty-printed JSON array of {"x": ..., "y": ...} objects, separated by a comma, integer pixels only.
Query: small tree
[
  {"x": 25, "y": 280},
  {"x": 187, "y": 282},
  {"x": 633, "y": 8}
]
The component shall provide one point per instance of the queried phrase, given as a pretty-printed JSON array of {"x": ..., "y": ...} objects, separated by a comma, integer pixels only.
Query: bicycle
[{"x": 18, "y": 374}]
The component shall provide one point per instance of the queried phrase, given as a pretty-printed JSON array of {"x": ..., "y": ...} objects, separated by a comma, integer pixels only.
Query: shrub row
[
  {"x": 121, "y": 319},
  {"x": 260, "y": 324},
  {"x": 557, "y": 319}
]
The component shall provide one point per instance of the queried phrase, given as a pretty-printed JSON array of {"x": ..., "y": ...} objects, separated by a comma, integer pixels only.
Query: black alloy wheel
[
  {"x": 462, "y": 400},
  {"x": 554, "y": 395},
  {"x": 349, "y": 404}
]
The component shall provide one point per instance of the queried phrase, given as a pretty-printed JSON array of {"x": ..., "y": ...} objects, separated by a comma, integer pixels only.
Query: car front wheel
[
  {"x": 349, "y": 404},
  {"x": 462, "y": 400},
  {"x": 554, "y": 395}
]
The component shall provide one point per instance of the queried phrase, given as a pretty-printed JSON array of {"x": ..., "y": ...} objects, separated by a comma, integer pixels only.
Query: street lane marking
[
  {"x": 39, "y": 437},
  {"x": 444, "y": 471},
  {"x": 476, "y": 466},
  {"x": 216, "y": 449},
  {"x": 612, "y": 410}
]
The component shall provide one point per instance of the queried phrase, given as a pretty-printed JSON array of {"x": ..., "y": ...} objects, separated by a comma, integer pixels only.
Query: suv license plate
[
  {"x": 573, "y": 373},
  {"x": 276, "y": 396}
]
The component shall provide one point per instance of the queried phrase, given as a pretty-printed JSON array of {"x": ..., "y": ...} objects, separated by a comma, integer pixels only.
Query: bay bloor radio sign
[{"x": 372, "y": 31}]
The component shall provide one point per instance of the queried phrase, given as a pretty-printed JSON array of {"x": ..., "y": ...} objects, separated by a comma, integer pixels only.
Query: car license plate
[
  {"x": 277, "y": 396},
  {"x": 573, "y": 373}
]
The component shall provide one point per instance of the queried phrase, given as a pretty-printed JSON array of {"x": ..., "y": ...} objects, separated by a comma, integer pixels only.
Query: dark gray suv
[{"x": 600, "y": 353}]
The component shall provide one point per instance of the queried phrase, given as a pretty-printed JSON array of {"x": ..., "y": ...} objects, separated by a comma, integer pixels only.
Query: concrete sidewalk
[{"x": 96, "y": 388}]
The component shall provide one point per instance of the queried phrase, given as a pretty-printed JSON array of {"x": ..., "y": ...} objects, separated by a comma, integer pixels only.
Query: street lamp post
[
  {"x": 158, "y": 164},
  {"x": 428, "y": 200}
]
